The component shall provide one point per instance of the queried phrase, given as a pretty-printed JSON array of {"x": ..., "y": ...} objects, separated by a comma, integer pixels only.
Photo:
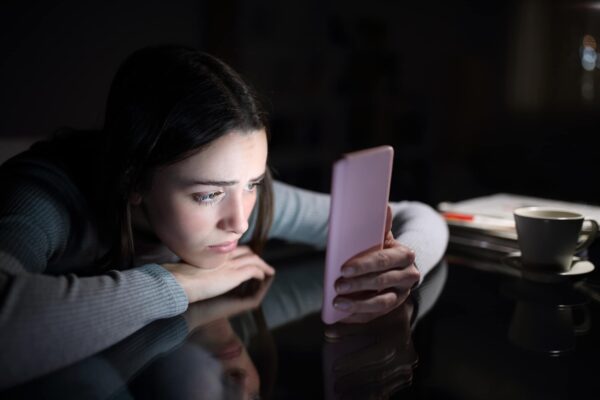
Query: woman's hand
[
  {"x": 376, "y": 282},
  {"x": 201, "y": 284}
]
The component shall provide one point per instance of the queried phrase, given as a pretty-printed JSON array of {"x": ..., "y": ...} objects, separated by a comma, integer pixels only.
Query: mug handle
[
  {"x": 582, "y": 327},
  {"x": 591, "y": 236}
]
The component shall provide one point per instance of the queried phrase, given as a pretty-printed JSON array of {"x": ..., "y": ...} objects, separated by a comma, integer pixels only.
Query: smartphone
[{"x": 360, "y": 189}]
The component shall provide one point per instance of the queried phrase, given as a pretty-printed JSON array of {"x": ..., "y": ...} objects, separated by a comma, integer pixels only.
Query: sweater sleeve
[
  {"x": 421, "y": 228},
  {"x": 49, "y": 321},
  {"x": 302, "y": 216}
]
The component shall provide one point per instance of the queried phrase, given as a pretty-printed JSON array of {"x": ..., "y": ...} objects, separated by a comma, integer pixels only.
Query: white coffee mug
[{"x": 548, "y": 237}]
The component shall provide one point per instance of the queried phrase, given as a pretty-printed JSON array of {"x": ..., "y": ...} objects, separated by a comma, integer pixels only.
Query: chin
[{"x": 205, "y": 261}]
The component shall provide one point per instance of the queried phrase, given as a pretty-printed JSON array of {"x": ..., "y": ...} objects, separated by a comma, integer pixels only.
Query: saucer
[{"x": 579, "y": 267}]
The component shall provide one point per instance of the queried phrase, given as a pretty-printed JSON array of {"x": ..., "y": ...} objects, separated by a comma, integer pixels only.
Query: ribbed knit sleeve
[
  {"x": 421, "y": 228},
  {"x": 302, "y": 216},
  {"x": 51, "y": 320}
]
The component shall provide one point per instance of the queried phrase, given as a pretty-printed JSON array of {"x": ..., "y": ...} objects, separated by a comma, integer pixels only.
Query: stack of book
[{"x": 485, "y": 226}]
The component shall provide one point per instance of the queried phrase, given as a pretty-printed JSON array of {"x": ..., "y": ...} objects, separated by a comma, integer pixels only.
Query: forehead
[{"x": 226, "y": 157}]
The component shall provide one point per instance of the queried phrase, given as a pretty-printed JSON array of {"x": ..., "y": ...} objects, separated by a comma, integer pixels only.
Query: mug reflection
[{"x": 547, "y": 317}]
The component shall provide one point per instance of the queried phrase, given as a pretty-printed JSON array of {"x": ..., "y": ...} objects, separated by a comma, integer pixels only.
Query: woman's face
[
  {"x": 238, "y": 369},
  {"x": 199, "y": 207}
]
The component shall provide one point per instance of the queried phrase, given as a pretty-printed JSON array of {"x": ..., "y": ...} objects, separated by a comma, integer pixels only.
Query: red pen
[{"x": 479, "y": 219}]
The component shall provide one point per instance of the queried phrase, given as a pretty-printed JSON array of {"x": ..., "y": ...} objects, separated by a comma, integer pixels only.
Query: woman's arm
[
  {"x": 422, "y": 229},
  {"x": 49, "y": 321},
  {"x": 302, "y": 216},
  {"x": 376, "y": 282}
]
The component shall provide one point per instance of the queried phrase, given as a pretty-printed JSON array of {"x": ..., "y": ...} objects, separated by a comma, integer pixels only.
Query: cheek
[
  {"x": 181, "y": 221},
  {"x": 194, "y": 221},
  {"x": 249, "y": 203}
]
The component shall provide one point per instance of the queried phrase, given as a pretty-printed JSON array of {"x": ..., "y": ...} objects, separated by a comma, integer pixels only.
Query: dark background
[{"x": 477, "y": 97}]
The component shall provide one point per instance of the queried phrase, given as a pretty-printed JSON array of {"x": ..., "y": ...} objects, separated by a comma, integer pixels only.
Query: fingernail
[
  {"x": 331, "y": 335},
  {"x": 348, "y": 271},
  {"x": 343, "y": 287},
  {"x": 343, "y": 305}
]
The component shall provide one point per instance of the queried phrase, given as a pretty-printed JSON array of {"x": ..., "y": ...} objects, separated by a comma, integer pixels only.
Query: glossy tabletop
[{"x": 474, "y": 329}]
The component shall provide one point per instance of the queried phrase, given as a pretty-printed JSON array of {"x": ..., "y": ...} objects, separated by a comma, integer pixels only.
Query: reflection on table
[
  {"x": 474, "y": 329},
  {"x": 497, "y": 333},
  {"x": 245, "y": 345}
]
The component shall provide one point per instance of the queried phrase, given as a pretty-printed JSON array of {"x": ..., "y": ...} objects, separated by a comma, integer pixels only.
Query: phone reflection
[
  {"x": 373, "y": 360},
  {"x": 378, "y": 359}
]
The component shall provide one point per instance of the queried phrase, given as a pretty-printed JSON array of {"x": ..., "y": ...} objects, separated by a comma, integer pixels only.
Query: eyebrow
[{"x": 219, "y": 183}]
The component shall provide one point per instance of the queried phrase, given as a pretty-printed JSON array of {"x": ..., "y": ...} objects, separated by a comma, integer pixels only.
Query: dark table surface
[{"x": 474, "y": 329}]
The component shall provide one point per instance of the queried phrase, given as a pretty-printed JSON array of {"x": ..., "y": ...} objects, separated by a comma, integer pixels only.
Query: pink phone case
[{"x": 360, "y": 189}]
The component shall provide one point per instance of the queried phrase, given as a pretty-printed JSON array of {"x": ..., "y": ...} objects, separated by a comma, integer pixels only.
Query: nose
[
  {"x": 237, "y": 375},
  {"x": 234, "y": 218}
]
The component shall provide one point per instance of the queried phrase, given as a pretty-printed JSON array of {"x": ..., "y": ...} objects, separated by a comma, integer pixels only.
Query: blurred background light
[{"x": 589, "y": 57}]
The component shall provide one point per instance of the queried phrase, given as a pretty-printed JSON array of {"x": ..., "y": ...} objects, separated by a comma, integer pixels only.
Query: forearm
[
  {"x": 421, "y": 228},
  {"x": 303, "y": 216},
  {"x": 300, "y": 215},
  {"x": 51, "y": 321}
]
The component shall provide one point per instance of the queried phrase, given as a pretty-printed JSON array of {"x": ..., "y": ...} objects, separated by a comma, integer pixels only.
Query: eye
[
  {"x": 208, "y": 198},
  {"x": 251, "y": 187}
]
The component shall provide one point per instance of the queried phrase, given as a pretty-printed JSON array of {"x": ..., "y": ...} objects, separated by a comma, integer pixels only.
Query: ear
[{"x": 135, "y": 199}]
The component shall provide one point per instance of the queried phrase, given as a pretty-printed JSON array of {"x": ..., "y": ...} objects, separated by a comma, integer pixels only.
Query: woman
[{"x": 102, "y": 233}]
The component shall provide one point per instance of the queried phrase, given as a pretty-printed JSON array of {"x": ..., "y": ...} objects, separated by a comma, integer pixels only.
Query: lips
[
  {"x": 224, "y": 247},
  {"x": 230, "y": 352}
]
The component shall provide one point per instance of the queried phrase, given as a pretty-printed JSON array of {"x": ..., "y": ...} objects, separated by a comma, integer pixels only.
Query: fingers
[
  {"x": 237, "y": 273},
  {"x": 370, "y": 296},
  {"x": 243, "y": 256},
  {"x": 390, "y": 241},
  {"x": 402, "y": 279},
  {"x": 398, "y": 256},
  {"x": 229, "y": 278},
  {"x": 380, "y": 304},
  {"x": 201, "y": 284},
  {"x": 246, "y": 272},
  {"x": 254, "y": 266},
  {"x": 240, "y": 251},
  {"x": 262, "y": 265}
]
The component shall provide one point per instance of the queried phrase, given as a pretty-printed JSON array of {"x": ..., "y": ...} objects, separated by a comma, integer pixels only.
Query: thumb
[
  {"x": 388, "y": 219},
  {"x": 388, "y": 238}
]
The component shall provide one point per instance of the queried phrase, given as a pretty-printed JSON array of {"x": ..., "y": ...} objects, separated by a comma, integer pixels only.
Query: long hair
[{"x": 165, "y": 104}]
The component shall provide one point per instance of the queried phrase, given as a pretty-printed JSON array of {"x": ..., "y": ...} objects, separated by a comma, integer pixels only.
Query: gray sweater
[{"x": 50, "y": 299}]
